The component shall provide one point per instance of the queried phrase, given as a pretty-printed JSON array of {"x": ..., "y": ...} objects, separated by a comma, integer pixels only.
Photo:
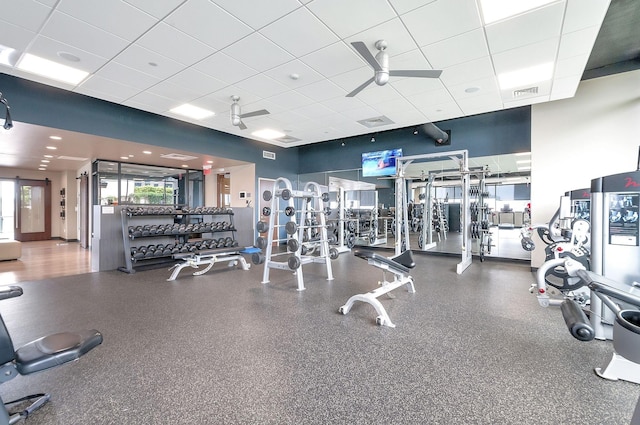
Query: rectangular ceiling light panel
[
  {"x": 496, "y": 10},
  {"x": 525, "y": 76},
  {"x": 191, "y": 111},
  {"x": 52, "y": 70}
]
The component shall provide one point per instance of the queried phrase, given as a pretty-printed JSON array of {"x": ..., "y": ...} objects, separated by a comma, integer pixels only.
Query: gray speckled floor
[{"x": 223, "y": 348}]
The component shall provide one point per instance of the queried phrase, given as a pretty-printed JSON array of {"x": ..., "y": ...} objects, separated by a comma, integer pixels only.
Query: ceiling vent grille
[
  {"x": 288, "y": 139},
  {"x": 376, "y": 121},
  {"x": 178, "y": 156},
  {"x": 269, "y": 155},
  {"x": 525, "y": 92}
]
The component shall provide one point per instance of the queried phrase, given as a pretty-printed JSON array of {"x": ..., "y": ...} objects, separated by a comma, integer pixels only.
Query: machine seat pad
[
  {"x": 55, "y": 349},
  {"x": 402, "y": 262}
]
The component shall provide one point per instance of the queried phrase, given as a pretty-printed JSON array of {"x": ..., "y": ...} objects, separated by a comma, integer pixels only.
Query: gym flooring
[{"x": 223, "y": 348}]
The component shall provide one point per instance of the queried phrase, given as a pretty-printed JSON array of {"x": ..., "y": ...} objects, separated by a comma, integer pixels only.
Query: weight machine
[{"x": 402, "y": 222}]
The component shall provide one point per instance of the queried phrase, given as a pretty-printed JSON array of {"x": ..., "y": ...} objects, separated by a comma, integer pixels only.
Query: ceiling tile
[
  {"x": 258, "y": 52},
  {"x": 290, "y": 100},
  {"x": 352, "y": 79},
  {"x": 299, "y": 33},
  {"x": 74, "y": 32},
  {"x": 196, "y": 81},
  {"x": 315, "y": 111},
  {"x": 432, "y": 23},
  {"x": 458, "y": 49},
  {"x": 361, "y": 113},
  {"x": 178, "y": 94},
  {"x": 333, "y": 60},
  {"x": 321, "y": 90},
  {"x": 395, "y": 108},
  {"x": 263, "y": 86},
  {"x": 346, "y": 18},
  {"x": 115, "y": 17},
  {"x": 152, "y": 101},
  {"x": 225, "y": 68},
  {"x": 27, "y": 14},
  {"x": 115, "y": 90},
  {"x": 527, "y": 28},
  {"x": 472, "y": 70},
  {"x": 581, "y": 14},
  {"x": 413, "y": 86},
  {"x": 374, "y": 94},
  {"x": 305, "y": 75},
  {"x": 479, "y": 104},
  {"x": 173, "y": 43},
  {"x": 224, "y": 95},
  {"x": 571, "y": 66},
  {"x": 341, "y": 104},
  {"x": 578, "y": 42},
  {"x": 565, "y": 87},
  {"x": 526, "y": 56},
  {"x": 525, "y": 102},
  {"x": 404, "y": 6},
  {"x": 158, "y": 9},
  {"x": 484, "y": 85},
  {"x": 141, "y": 59},
  {"x": 116, "y": 72},
  {"x": 426, "y": 100},
  {"x": 208, "y": 23},
  {"x": 442, "y": 111},
  {"x": 272, "y": 107},
  {"x": 47, "y": 48},
  {"x": 257, "y": 14},
  {"x": 413, "y": 59},
  {"x": 15, "y": 37}
]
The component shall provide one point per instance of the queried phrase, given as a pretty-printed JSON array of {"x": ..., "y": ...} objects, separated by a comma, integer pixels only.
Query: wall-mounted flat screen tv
[{"x": 380, "y": 163}]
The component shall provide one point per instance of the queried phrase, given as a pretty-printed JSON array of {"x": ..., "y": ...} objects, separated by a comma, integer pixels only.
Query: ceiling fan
[
  {"x": 236, "y": 115},
  {"x": 380, "y": 64}
]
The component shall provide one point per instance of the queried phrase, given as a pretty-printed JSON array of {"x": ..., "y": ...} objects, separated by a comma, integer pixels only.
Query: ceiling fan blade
[
  {"x": 254, "y": 113},
  {"x": 366, "y": 54},
  {"x": 241, "y": 126},
  {"x": 361, "y": 87},
  {"x": 426, "y": 73}
]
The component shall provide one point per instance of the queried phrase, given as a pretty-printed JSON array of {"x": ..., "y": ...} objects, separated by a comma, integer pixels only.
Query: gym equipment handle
[{"x": 577, "y": 321}]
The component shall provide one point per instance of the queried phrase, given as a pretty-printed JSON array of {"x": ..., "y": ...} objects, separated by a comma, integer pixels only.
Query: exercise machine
[
  {"x": 400, "y": 266},
  {"x": 44, "y": 353}
]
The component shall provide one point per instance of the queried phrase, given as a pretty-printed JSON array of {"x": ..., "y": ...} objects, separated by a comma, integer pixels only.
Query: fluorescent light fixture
[
  {"x": 50, "y": 69},
  {"x": 48, "y": 156},
  {"x": 147, "y": 152},
  {"x": 526, "y": 76},
  {"x": 268, "y": 134},
  {"x": 191, "y": 111},
  {"x": 495, "y": 10},
  {"x": 523, "y": 161},
  {"x": 44, "y": 160},
  {"x": 42, "y": 169},
  {"x": 55, "y": 137},
  {"x": 185, "y": 166},
  {"x": 124, "y": 157},
  {"x": 51, "y": 148},
  {"x": 5, "y": 55},
  {"x": 522, "y": 153}
]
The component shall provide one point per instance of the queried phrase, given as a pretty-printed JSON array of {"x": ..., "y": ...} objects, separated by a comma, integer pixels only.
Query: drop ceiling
[{"x": 294, "y": 57}]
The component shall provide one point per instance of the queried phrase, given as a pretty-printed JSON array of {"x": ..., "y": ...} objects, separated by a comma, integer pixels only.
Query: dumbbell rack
[
  {"x": 480, "y": 230},
  {"x": 311, "y": 201},
  {"x": 157, "y": 223}
]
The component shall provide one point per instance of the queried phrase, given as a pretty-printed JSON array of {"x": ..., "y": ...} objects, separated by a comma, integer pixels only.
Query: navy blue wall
[
  {"x": 494, "y": 133},
  {"x": 48, "y": 106}
]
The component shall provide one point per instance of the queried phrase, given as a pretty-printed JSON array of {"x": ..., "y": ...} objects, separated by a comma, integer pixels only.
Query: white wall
[
  {"x": 243, "y": 179},
  {"x": 594, "y": 134}
]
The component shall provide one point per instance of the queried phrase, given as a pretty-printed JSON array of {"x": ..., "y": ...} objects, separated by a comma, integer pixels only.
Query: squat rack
[{"x": 461, "y": 157}]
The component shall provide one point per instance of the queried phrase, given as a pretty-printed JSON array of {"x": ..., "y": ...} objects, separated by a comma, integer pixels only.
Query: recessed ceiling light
[
  {"x": 48, "y": 156},
  {"x": 526, "y": 76},
  {"x": 191, "y": 111},
  {"x": 209, "y": 162},
  {"x": 53, "y": 148},
  {"x": 268, "y": 134},
  {"x": 130, "y": 156},
  {"x": 185, "y": 166},
  {"x": 124, "y": 157},
  {"x": 50, "y": 69},
  {"x": 44, "y": 160},
  {"x": 147, "y": 152},
  {"x": 55, "y": 137},
  {"x": 495, "y": 10},
  {"x": 69, "y": 56},
  {"x": 42, "y": 169}
]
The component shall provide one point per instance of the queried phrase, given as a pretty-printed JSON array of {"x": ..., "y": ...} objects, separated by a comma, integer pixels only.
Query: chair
[{"x": 41, "y": 354}]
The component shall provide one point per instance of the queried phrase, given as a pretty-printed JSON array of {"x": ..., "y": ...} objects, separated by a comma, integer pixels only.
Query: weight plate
[
  {"x": 293, "y": 262},
  {"x": 293, "y": 245},
  {"x": 285, "y": 194},
  {"x": 291, "y": 227},
  {"x": 267, "y": 195}
]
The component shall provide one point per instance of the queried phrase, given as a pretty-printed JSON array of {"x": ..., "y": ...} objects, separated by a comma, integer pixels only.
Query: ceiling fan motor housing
[
  {"x": 235, "y": 114},
  {"x": 382, "y": 76}
]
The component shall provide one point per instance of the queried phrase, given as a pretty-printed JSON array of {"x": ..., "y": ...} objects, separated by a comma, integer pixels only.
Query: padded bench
[
  {"x": 207, "y": 257},
  {"x": 10, "y": 249}
]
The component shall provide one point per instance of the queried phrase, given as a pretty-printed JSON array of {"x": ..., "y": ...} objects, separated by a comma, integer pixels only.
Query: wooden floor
[{"x": 46, "y": 259}]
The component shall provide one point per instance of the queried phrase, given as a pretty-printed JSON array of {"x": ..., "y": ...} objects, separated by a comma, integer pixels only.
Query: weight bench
[
  {"x": 400, "y": 266},
  {"x": 208, "y": 257},
  {"x": 41, "y": 354}
]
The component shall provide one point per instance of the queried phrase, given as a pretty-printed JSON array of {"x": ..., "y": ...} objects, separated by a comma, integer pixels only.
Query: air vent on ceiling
[
  {"x": 268, "y": 155},
  {"x": 288, "y": 139},
  {"x": 376, "y": 121},
  {"x": 525, "y": 92},
  {"x": 72, "y": 158},
  {"x": 178, "y": 156}
]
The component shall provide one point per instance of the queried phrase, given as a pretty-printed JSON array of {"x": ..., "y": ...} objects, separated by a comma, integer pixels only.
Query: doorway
[
  {"x": 7, "y": 208},
  {"x": 224, "y": 190},
  {"x": 33, "y": 210}
]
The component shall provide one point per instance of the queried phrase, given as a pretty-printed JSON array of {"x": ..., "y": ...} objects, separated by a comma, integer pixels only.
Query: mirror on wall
[{"x": 501, "y": 208}]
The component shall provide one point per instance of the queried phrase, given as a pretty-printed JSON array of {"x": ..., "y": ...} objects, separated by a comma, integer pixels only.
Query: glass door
[
  {"x": 33, "y": 210},
  {"x": 7, "y": 207}
]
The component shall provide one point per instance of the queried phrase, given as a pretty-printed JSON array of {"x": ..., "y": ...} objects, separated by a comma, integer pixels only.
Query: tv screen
[{"x": 380, "y": 163}]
